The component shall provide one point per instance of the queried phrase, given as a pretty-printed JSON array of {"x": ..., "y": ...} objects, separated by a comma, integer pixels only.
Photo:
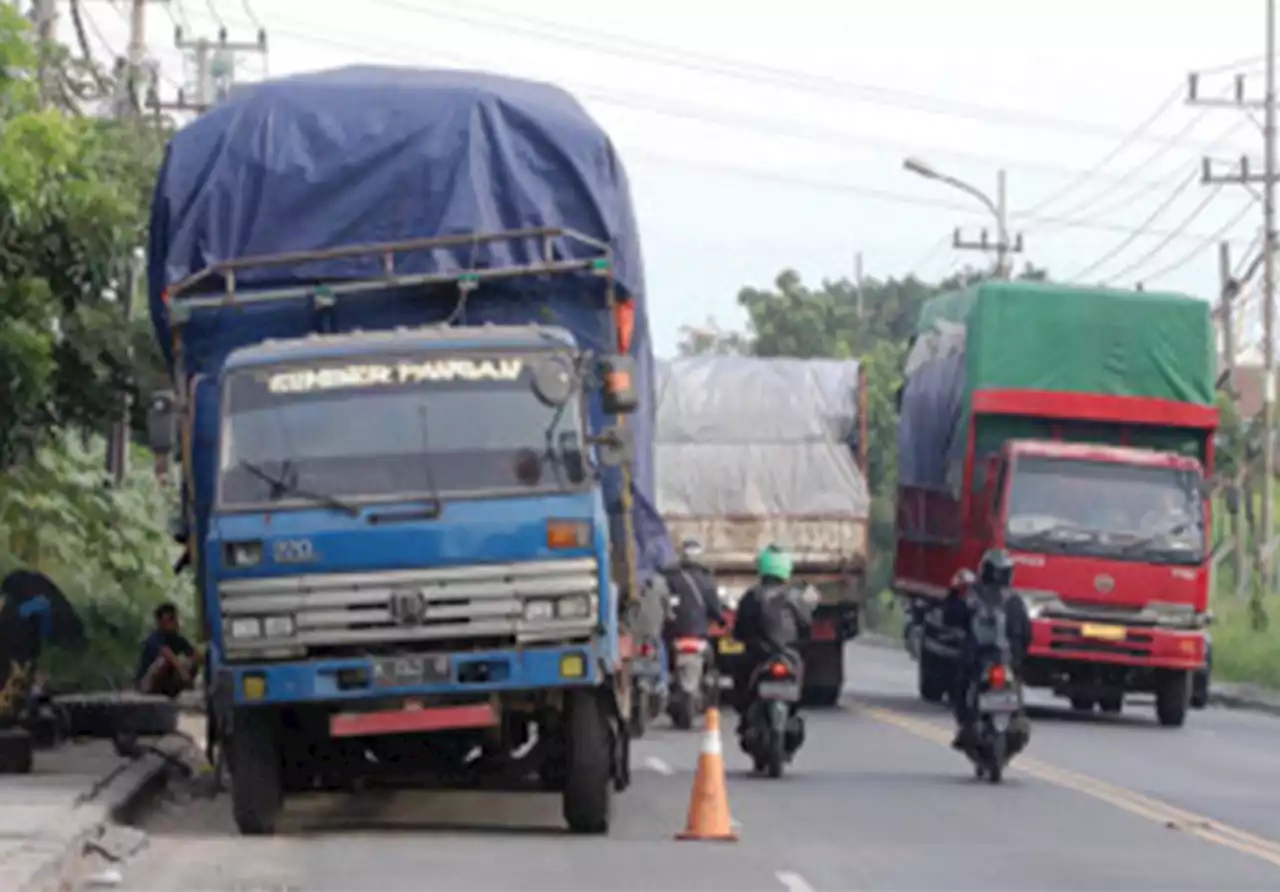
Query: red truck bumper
[{"x": 1136, "y": 646}]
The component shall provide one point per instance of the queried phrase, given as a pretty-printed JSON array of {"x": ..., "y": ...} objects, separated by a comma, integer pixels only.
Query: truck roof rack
[{"x": 182, "y": 298}]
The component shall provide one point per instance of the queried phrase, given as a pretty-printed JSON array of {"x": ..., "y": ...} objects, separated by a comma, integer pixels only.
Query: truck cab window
[{"x": 1105, "y": 509}]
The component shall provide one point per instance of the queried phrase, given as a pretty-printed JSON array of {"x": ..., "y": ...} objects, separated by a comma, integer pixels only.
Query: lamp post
[{"x": 997, "y": 207}]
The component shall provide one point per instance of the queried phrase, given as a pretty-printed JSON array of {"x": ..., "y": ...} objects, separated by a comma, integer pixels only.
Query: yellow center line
[{"x": 1133, "y": 802}]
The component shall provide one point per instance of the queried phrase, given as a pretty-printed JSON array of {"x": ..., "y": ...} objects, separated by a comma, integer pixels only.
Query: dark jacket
[
  {"x": 698, "y": 601},
  {"x": 958, "y": 612},
  {"x": 772, "y": 619}
]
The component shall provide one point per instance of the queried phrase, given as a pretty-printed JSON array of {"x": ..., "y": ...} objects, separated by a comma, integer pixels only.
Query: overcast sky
[{"x": 764, "y": 135}]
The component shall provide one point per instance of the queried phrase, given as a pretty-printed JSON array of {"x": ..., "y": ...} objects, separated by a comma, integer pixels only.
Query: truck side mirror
[
  {"x": 162, "y": 424},
  {"x": 617, "y": 446},
  {"x": 618, "y": 393}
]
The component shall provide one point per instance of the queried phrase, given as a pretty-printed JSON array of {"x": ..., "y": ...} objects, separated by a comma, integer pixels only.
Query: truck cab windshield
[
  {"x": 379, "y": 428},
  {"x": 1105, "y": 509}
]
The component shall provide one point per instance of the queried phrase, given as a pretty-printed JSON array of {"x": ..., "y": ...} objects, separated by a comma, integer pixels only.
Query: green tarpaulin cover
[{"x": 1040, "y": 336}]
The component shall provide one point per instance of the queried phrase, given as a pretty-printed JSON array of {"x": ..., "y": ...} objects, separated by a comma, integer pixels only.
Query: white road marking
[
  {"x": 659, "y": 765},
  {"x": 793, "y": 881}
]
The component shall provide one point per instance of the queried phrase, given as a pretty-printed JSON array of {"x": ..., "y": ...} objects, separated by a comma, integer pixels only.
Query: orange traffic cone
[{"x": 709, "y": 803}]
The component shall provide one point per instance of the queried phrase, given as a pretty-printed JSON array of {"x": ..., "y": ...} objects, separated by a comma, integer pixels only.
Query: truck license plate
[
  {"x": 998, "y": 701},
  {"x": 1103, "y": 632},
  {"x": 730, "y": 646},
  {"x": 394, "y": 672},
  {"x": 786, "y": 691}
]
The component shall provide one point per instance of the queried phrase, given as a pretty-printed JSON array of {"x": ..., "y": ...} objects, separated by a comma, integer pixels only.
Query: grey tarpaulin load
[{"x": 756, "y": 437}]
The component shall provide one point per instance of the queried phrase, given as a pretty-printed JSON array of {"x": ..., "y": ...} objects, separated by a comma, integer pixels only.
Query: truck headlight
[
  {"x": 245, "y": 627},
  {"x": 242, "y": 554},
  {"x": 539, "y": 611},
  {"x": 277, "y": 626},
  {"x": 573, "y": 608}
]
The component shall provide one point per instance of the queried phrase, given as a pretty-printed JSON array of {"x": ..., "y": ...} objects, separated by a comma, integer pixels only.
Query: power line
[
  {"x": 253, "y": 18},
  {"x": 680, "y": 57},
  {"x": 1171, "y": 100},
  {"x": 1082, "y": 206},
  {"x": 1137, "y": 233},
  {"x": 1199, "y": 250},
  {"x": 1155, "y": 251},
  {"x": 213, "y": 11}
]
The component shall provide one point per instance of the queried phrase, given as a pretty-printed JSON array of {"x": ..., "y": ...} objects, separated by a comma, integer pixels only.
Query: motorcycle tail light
[
  {"x": 646, "y": 650},
  {"x": 688, "y": 645},
  {"x": 779, "y": 670},
  {"x": 997, "y": 677}
]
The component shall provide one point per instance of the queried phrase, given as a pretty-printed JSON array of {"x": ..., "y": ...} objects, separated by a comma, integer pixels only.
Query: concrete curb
[
  {"x": 52, "y": 860},
  {"x": 1245, "y": 696}
]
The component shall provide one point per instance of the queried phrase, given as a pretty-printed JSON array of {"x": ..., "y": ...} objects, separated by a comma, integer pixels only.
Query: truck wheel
[
  {"x": 588, "y": 763},
  {"x": 826, "y": 695},
  {"x": 1173, "y": 697},
  {"x": 257, "y": 789},
  {"x": 1082, "y": 704},
  {"x": 1111, "y": 705},
  {"x": 933, "y": 686},
  {"x": 1200, "y": 689},
  {"x": 15, "y": 751},
  {"x": 639, "y": 714}
]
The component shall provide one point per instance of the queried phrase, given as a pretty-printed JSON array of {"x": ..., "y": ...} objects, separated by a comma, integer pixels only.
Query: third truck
[
  {"x": 1075, "y": 428},
  {"x": 753, "y": 451}
]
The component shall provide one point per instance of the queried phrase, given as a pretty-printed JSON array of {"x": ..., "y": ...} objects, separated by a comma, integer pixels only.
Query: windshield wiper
[
  {"x": 1153, "y": 539},
  {"x": 1048, "y": 535},
  {"x": 281, "y": 485}
]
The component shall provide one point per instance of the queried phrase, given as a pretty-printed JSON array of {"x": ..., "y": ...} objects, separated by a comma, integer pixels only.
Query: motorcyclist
[
  {"x": 955, "y": 618},
  {"x": 772, "y": 619},
  {"x": 698, "y": 599},
  {"x": 992, "y": 588}
]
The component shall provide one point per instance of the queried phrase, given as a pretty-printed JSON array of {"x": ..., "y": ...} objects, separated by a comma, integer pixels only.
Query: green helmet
[{"x": 775, "y": 563}]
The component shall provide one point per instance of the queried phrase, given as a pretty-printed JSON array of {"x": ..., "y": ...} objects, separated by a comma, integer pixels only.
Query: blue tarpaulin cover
[{"x": 370, "y": 154}]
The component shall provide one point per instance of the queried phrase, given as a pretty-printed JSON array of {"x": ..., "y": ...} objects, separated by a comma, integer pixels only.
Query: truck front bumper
[
  {"x": 339, "y": 679},
  {"x": 1137, "y": 646}
]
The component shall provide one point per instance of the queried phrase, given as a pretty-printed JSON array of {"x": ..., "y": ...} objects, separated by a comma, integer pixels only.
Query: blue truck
[{"x": 413, "y": 405}]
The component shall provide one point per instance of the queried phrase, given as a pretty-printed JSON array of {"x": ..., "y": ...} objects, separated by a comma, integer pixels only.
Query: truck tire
[
  {"x": 1112, "y": 705},
  {"x": 1173, "y": 698},
  {"x": 932, "y": 680},
  {"x": 1083, "y": 704},
  {"x": 1200, "y": 689},
  {"x": 588, "y": 783},
  {"x": 16, "y": 755},
  {"x": 257, "y": 782}
]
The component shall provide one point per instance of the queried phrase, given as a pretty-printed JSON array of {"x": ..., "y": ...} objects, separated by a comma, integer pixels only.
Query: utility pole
[
  {"x": 214, "y": 62},
  {"x": 1230, "y": 288},
  {"x": 1002, "y": 246},
  {"x": 45, "y": 13},
  {"x": 1242, "y": 175},
  {"x": 857, "y": 281}
]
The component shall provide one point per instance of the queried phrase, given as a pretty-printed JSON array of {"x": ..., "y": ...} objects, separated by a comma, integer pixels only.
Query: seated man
[{"x": 169, "y": 662}]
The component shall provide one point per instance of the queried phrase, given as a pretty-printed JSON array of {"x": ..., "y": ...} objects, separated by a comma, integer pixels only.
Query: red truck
[{"x": 1074, "y": 428}]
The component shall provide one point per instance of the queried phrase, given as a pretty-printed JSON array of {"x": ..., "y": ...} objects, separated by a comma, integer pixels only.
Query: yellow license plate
[
  {"x": 730, "y": 646},
  {"x": 1103, "y": 633}
]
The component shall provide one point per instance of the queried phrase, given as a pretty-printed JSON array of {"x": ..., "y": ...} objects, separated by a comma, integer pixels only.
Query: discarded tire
[{"x": 111, "y": 714}]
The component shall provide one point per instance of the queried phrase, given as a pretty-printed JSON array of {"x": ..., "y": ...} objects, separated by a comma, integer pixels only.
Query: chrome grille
[{"x": 454, "y": 604}]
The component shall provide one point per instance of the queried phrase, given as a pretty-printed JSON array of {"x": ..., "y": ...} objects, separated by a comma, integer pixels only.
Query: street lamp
[{"x": 997, "y": 207}]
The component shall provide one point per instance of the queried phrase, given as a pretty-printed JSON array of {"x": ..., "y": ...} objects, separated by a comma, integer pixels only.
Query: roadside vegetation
[{"x": 74, "y": 189}]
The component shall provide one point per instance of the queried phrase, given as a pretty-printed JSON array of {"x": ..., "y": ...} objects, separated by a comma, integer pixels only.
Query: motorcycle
[
  {"x": 772, "y": 733},
  {"x": 650, "y": 681},
  {"x": 1000, "y": 731},
  {"x": 692, "y": 683}
]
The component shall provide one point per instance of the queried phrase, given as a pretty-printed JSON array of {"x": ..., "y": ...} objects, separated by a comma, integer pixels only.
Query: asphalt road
[{"x": 875, "y": 800}]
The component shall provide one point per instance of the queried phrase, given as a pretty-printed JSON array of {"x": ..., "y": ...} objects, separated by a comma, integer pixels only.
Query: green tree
[{"x": 73, "y": 194}]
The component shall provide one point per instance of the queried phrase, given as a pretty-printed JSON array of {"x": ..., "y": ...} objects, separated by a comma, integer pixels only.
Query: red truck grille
[{"x": 1136, "y": 643}]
